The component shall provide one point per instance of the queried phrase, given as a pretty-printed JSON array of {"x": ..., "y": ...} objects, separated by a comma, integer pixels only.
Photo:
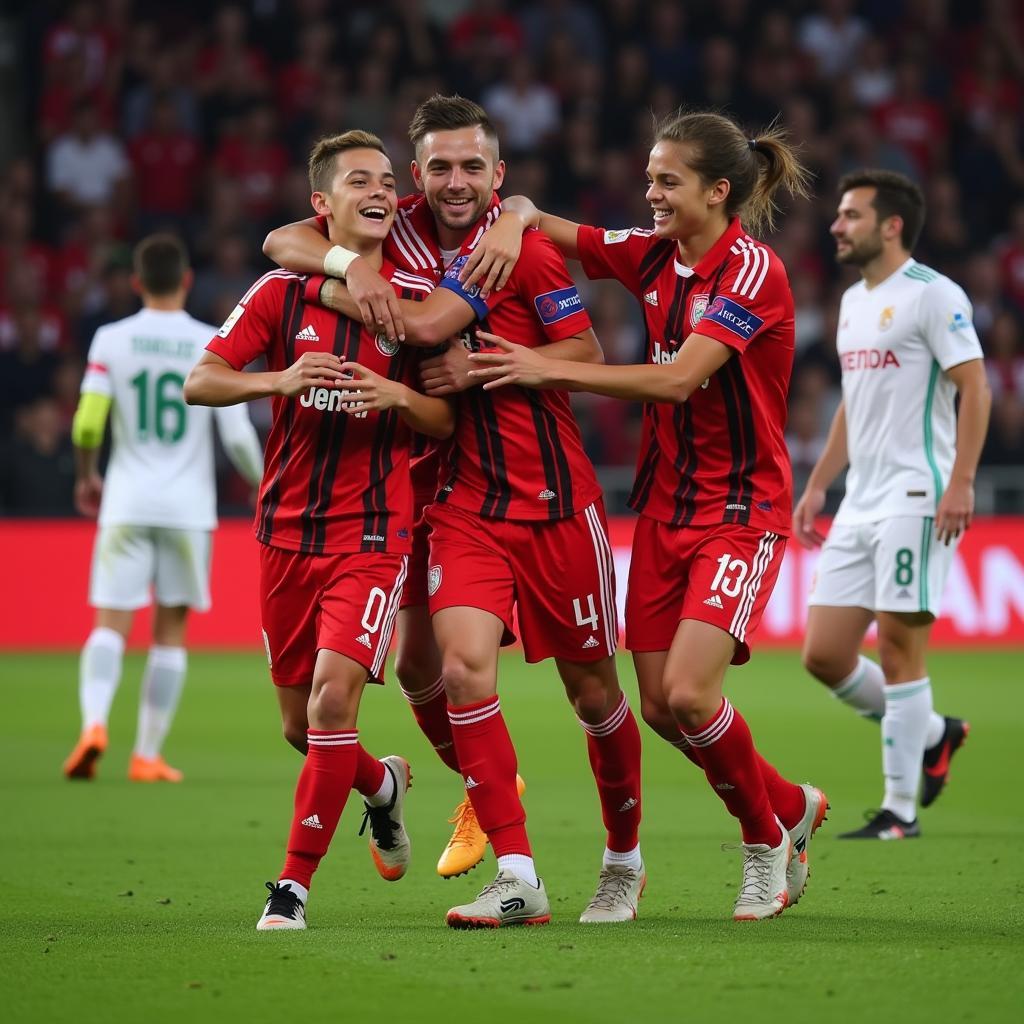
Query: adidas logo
[
  {"x": 471, "y": 783},
  {"x": 723, "y": 786},
  {"x": 307, "y": 334},
  {"x": 313, "y": 821},
  {"x": 714, "y": 601},
  {"x": 628, "y": 805},
  {"x": 547, "y": 495},
  {"x": 651, "y": 298},
  {"x": 365, "y": 641},
  {"x": 904, "y": 593},
  {"x": 591, "y": 641}
]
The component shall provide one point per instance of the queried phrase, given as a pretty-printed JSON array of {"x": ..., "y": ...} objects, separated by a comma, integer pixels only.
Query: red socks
[
  {"x": 487, "y": 761},
  {"x": 614, "y": 749},
  {"x": 430, "y": 709},
  {"x": 730, "y": 762},
  {"x": 787, "y": 798},
  {"x": 370, "y": 772},
  {"x": 324, "y": 784}
]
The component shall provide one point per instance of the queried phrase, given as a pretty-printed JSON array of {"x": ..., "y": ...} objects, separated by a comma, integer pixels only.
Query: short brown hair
[
  {"x": 755, "y": 166},
  {"x": 449, "y": 113},
  {"x": 895, "y": 196},
  {"x": 321, "y": 157},
  {"x": 161, "y": 262}
]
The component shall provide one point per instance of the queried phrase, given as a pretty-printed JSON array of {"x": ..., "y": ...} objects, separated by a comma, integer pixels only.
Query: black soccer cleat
[
  {"x": 284, "y": 910},
  {"x": 884, "y": 825},
  {"x": 935, "y": 766}
]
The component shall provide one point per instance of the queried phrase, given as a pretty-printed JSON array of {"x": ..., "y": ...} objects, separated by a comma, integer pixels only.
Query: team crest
[
  {"x": 433, "y": 580},
  {"x": 384, "y": 346},
  {"x": 885, "y": 320},
  {"x": 698, "y": 309}
]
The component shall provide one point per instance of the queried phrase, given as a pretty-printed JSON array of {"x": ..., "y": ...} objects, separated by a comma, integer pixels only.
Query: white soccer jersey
[
  {"x": 894, "y": 342},
  {"x": 161, "y": 469}
]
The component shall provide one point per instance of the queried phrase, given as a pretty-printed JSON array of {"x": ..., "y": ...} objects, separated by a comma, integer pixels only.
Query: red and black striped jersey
[
  {"x": 720, "y": 457},
  {"x": 517, "y": 453},
  {"x": 333, "y": 482}
]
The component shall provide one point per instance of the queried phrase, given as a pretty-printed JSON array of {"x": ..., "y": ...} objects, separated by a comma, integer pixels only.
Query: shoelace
[
  {"x": 282, "y": 901},
  {"x": 496, "y": 887},
  {"x": 757, "y": 873},
  {"x": 464, "y": 820},
  {"x": 611, "y": 890},
  {"x": 382, "y": 828}
]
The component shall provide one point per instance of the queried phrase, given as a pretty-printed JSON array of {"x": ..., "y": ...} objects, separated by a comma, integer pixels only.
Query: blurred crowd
[{"x": 135, "y": 116}]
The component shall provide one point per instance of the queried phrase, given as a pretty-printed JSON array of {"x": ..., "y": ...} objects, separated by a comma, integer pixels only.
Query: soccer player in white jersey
[
  {"x": 907, "y": 347},
  {"x": 156, "y": 505}
]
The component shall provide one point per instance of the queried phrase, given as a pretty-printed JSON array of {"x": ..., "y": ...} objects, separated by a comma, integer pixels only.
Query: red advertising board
[{"x": 45, "y": 567}]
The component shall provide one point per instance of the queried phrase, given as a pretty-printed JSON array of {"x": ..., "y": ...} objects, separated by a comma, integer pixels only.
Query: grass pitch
[{"x": 135, "y": 903}]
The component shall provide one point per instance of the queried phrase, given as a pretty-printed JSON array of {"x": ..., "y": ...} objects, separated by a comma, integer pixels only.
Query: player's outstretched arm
[
  {"x": 492, "y": 261},
  {"x": 370, "y": 391},
  {"x": 832, "y": 461},
  {"x": 240, "y": 441},
  {"x": 956, "y": 508},
  {"x": 698, "y": 359},
  {"x": 440, "y": 315},
  {"x": 303, "y": 248},
  {"x": 213, "y": 381}
]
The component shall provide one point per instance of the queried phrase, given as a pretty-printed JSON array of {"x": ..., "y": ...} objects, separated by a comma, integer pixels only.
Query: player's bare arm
[
  {"x": 87, "y": 432},
  {"x": 956, "y": 508},
  {"x": 832, "y": 461},
  {"x": 302, "y": 247},
  {"x": 495, "y": 256},
  {"x": 372, "y": 392},
  {"x": 699, "y": 358},
  {"x": 213, "y": 381}
]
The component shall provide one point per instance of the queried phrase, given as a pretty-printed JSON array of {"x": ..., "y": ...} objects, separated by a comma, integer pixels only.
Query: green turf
[{"x": 133, "y": 903}]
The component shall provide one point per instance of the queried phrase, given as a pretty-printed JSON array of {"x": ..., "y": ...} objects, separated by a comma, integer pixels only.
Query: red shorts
[
  {"x": 424, "y": 487},
  {"x": 345, "y": 603},
  {"x": 558, "y": 573},
  {"x": 720, "y": 574}
]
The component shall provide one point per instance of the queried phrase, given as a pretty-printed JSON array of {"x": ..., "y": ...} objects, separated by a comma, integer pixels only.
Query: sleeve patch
[
  {"x": 733, "y": 317},
  {"x": 557, "y": 305},
  {"x": 231, "y": 321},
  {"x": 611, "y": 237},
  {"x": 958, "y": 322}
]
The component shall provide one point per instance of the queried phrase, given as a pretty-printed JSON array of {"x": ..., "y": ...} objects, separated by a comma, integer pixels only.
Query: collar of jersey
[{"x": 713, "y": 258}]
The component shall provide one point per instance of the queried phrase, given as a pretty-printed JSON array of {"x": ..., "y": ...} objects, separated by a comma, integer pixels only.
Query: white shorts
[
  {"x": 126, "y": 560},
  {"x": 895, "y": 565}
]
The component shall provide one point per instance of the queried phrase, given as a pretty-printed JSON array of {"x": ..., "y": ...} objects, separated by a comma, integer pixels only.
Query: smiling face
[
  {"x": 858, "y": 233},
  {"x": 457, "y": 171},
  {"x": 361, "y": 201},
  {"x": 681, "y": 202}
]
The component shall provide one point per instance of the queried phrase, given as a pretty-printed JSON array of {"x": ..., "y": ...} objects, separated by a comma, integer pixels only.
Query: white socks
[
  {"x": 521, "y": 866},
  {"x": 630, "y": 859},
  {"x": 383, "y": 795},
  {"x": 99, "y": 672},
  {"x": 864, "y": 689},
  {"x": 908, "y": 709},
  {"x": 300, "y": 890},
  {"x": 162, "y": 682}
]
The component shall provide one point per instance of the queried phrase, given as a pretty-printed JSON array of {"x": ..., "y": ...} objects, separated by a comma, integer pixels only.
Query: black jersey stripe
[
  {"x": 292, "y": 312},
  {"x": 648, "y": 471},
  {"x": 492, "y": 454},
  {"x": 685, "y": 466},
  {"x": 375, "y": 506},
  {"x": 445, "y": 490},
  {"x": 654, "y": 261},
  {"x": 330, "y": 440},
  {"x": 735, "y": 379},
  {"x": 557, "y": 474},
  {"x": 737, "y": 442}
]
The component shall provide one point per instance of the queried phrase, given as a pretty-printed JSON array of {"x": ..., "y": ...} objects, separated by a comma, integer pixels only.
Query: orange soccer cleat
[
  {"x": 468, "y": 843},
  {"x": 152, "y": 769},
  {"x": 81, "y": 762}
]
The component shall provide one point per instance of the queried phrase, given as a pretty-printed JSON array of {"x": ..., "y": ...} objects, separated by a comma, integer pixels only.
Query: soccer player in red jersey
[
  {"x": 335, "y": 511},
  {"x": 518, "y": 521},
  {"x": 713, "y": 485}
]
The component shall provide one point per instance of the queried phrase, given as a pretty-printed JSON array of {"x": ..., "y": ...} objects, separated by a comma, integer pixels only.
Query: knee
[
  {"x": 690, "y": 704},
  {"x": 410, "y": 672},
  {"x": 893, "y": 657},
  {"x": 464, "y": 682},
  {"x": 821, "y": 663},
  {"x": 593, "y": 697},
  {"x": 295, "y": 734},
  {"x": 659, "y": 718},
  {"x": 333, "y": 705}
]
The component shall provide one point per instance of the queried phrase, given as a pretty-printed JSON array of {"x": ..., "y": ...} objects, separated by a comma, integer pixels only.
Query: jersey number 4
[{"x": 161, "y": 409}]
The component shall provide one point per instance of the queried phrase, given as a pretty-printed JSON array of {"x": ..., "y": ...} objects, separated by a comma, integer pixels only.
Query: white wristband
[{"x": 337, "y": 261}]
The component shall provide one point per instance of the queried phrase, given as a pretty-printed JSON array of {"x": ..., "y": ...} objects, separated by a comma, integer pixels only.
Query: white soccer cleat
[
  {"x": 816, "y": 807},
  {"x": 619, "y": 889},
  {"x": 508, "y": 900},
  {"x": 764, "y": 892},
  {"x": 284, "y": 910},
  {"x": 389, "y": 842}
]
